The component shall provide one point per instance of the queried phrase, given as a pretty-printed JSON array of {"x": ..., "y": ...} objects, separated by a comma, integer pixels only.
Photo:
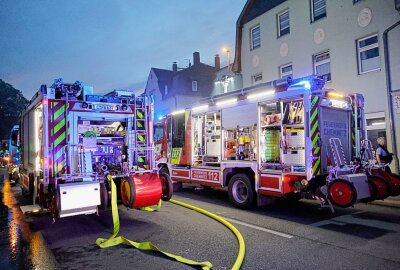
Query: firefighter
[{"x": 383, "y": 156}]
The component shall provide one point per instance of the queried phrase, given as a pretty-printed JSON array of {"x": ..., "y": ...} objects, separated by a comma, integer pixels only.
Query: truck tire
[
  {"x": 167, "y": 187},
  {"x": 373, "y": 190},
  {"x": 342, "y": 193},
  {"x": 382, "y": 185},
  {"x": 55, "y": 204},
  {"x": 163, "y": 170},
  {"x": 103, "y": 197},
  {"x": 241, "y": 192}
]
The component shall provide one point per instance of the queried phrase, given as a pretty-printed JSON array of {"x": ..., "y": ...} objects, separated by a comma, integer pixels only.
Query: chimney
[
  {"x": 217, "y": 62},
  {"x": 174, "y": 67},
  {"x": 196, "y": 58}
]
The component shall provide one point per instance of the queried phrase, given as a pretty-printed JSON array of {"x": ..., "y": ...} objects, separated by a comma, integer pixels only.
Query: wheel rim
[
  {"x": 341, "y": 193},
  {"x": 125, "y": 192},
  {"x": 240, "y": 192}
]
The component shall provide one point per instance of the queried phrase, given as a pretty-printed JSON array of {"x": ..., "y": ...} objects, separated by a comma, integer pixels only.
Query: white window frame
[
  {"x": 194, "y": 86},
  {"x": 257, "y": 78},
  {"x": 252, "y": 41},
  {"x": 325, "y": 61},
  {"x": 279, "y": 23},
  {"x": 366, "y": 48},
  {"x": 313, "y": 19},
  {"x": 283, "y": 74}
]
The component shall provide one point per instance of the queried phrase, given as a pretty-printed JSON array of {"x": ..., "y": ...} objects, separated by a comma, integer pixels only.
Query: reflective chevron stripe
[
  {"x": 315, "y": 135},
  {"x": 58, "y": 133}
]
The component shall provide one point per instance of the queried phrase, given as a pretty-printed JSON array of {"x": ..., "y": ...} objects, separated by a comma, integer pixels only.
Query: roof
[
  {"x": 165, "y": 77},
  {"x": 251, "y": 10},
  {"x": 179, "y": 81}
]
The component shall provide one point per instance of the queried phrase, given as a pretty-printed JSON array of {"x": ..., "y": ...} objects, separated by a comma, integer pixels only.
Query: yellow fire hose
[
  {"x": 242, "y": 248},
  {"x": 116, "y": 240}
]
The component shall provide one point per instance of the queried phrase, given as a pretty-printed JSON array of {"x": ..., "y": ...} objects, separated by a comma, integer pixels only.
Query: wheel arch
[{"x": 230, "y": 172}]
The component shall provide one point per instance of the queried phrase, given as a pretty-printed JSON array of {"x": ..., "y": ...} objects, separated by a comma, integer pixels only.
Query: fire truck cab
[
  {"x": 285, "y": 138},
  {"x": 71, "y": 139}
]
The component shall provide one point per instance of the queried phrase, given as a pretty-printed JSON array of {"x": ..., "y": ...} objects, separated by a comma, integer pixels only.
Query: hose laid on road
[
  {"x": 242, "y": 248},
  {"x": 116, "y": 240}
]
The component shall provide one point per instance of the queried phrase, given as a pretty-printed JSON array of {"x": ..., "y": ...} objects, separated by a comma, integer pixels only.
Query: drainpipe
[{"x": 389, "y": 92}]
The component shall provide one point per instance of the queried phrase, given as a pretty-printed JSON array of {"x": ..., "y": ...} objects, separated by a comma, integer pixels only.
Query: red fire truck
[
  {"x": 71, "y": 139},
  {"x": 286, "y": 138}
]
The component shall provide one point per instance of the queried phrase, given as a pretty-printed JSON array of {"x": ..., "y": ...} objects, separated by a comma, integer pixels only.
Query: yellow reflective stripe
[
  {"x": 59, "y": 112},
  {"x": 59, "y": 126},
  {"x": 116, "y": 240}
]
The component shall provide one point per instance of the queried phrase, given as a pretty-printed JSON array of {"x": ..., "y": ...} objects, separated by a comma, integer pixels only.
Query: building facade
[
  {"x": 176, "y": 89},
  {"x": 353, "y": 44}
]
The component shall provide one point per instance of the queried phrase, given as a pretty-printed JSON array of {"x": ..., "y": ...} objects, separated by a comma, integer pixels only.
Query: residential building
[
  {"x": 353, "y": 44},
  {"x": 226, "y": 80},
  {"x": 177, "y": 89}
]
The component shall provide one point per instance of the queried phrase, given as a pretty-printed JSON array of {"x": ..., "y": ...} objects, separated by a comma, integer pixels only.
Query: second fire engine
[{"x": 292, "y": 139}]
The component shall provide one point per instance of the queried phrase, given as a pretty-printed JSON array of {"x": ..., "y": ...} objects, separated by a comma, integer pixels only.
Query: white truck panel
[{"x": 79, "y": 198}]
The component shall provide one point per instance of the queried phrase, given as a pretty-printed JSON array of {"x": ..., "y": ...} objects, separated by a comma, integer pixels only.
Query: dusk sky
[{"x": 109, "y": 44}]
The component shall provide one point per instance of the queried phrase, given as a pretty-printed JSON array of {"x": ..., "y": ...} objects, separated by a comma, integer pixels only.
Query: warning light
[{"x": 335, "y": 95}]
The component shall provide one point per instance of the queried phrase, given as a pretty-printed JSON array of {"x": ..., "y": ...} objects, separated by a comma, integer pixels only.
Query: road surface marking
[
  {"x": 350, "y": 219},
  {"x": 258, "y": 228}
]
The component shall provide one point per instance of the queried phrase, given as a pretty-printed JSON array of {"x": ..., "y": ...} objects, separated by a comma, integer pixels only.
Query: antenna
[{"x": 190, "y": 64}]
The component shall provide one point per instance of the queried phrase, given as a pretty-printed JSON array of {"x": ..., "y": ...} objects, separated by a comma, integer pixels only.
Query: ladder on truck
[{"x": 140, "y": 136}]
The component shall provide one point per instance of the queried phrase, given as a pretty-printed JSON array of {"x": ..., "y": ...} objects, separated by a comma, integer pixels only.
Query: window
[
  {"x": 257, "y": 78},
  {"x": 165, "y": 89},
  {"x": 285, "y": 71},
  {"x": 318, "y": 9},
  {"x": 322, "y": 65},
  {"x": 194, "y": 86},
  {"x": 368, "y": 54},
  {"x": 255, "y": 37},
  {"x": 283, "y": 23}
]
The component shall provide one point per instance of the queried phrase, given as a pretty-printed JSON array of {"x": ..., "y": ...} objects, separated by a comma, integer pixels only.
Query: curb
[{"x": 390, "y": 203}]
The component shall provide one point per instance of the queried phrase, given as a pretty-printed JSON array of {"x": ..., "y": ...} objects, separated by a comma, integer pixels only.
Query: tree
[{"x": 12, "y": 103}]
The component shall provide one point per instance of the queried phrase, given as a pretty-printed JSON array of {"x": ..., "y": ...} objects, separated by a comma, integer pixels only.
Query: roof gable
[{"x": 251, "y": 10}]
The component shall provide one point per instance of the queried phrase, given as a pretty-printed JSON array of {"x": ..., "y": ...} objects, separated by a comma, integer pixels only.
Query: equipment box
[
  {"x": 295, "y": 138},
  {"x": 294, "y": 157}
]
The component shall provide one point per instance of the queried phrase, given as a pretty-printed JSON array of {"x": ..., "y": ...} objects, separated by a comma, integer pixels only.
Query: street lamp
[{"x": 227, "y": 51}]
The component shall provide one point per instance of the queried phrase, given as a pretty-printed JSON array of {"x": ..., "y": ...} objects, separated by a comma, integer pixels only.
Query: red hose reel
[{"x": 139, "y": 191}]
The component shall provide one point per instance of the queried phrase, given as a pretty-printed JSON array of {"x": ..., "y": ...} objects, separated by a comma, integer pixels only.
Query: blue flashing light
[{"x": 306, "y": 84}]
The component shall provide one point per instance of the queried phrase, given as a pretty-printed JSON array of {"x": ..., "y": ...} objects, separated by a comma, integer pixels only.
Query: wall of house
[
  {"x": 338, "y": 33},
  {"x": 225, "y": 81}
]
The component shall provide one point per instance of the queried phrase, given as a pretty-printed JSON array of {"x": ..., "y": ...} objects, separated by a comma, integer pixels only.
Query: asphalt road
[{"x": 298, "y": 235}]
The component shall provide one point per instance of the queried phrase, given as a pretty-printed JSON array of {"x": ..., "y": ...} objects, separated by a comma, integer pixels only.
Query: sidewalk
[{"x": 389, "y": 201}]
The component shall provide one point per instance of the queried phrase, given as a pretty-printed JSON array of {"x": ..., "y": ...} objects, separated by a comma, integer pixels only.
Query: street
[{"x": 281, "y": 236}]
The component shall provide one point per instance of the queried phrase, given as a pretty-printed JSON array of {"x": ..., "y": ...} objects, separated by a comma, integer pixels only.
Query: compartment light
[
  {"x": 260, "y": 95},
  {"x": 226, "y": 101},
  {"x": 178, "y": 112}
]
